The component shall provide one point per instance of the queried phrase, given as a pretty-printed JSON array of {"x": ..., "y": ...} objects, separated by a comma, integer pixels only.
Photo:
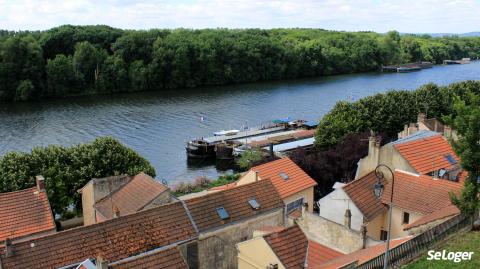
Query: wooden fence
[{"x": 417, "y": 245}]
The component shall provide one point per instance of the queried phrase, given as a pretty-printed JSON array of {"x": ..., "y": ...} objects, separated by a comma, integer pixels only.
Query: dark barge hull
[
  {"x": 202, "y": 151},
  {"x": 224, "y": 151}
]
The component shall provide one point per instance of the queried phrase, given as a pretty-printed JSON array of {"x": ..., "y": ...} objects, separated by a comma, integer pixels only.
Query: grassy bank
[{"x": 465, "y": 242}]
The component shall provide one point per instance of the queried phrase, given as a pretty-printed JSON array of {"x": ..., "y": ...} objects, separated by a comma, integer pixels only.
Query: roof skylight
[{"x": 222, "y": 213}]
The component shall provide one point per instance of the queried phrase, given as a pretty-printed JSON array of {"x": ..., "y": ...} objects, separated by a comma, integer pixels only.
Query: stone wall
[
  {"x": 330, "y": 234},
  {"x": 216, "y": 248}
]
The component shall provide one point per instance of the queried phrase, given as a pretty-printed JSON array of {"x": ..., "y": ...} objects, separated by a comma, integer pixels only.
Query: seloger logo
[{"x": 449, "y": 256}]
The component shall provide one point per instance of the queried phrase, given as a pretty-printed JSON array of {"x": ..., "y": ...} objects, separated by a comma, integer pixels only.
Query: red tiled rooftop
[
  {"x": 170, "y": 258},
  {"x": 427, "y": 154},
  {"x": 25, "y": 212},
  {"x": 363, "y": 255},
  {"x": 421, "y": 194},
  {"x": 362, "y": 195},
  {"x": 115, "y": 239},
  {"x": 297, "y": 180},
  {"x": 131, "y": 197},
  {"x": 319, "y": 254},
  {"x": 290, "y": 246},
  {"x": 235, "y": 201},
  {"x": 448, "y": 211}
]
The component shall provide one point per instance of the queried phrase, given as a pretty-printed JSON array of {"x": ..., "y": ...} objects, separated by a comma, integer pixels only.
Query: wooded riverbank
[{"x": 78, "y": 60}]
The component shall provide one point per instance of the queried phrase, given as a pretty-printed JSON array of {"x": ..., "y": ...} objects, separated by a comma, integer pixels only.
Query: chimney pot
[
  {"x": 40, "y": 180},
  {"x": 256, "y": 176},
  {"x": 101, "y": 263},
  {"x": 8, "y": 247}
]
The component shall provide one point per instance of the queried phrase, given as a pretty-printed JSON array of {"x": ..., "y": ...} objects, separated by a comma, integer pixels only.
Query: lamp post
[{"x": 378, "y": 190}]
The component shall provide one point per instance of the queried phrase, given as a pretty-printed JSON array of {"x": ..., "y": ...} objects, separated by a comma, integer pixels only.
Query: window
[
  {"x": 383, "y": 235},
  {"x": 406, "y": 217},
  {"x": 450, "y": 159},
  {"x": 222, "y": 213},
  {"x": 284, "y": 176},
  {"x": 254, "y": 204},
  {"x": 294, "y": 205}
]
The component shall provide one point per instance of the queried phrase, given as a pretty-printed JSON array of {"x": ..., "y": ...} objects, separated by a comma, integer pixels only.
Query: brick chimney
[
  {"x": 40, "y": 181},
  {"x": 101, "y": 263},
  {"x": 116, "y": 212},
  {"x": 348, "y": 219},
  {"x": 8, "y": 248}
]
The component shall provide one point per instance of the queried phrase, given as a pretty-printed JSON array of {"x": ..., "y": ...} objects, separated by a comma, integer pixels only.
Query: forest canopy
[{"x": 77, "y": 60}]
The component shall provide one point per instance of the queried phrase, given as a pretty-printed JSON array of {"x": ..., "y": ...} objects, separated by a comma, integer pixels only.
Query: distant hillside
[{"x": 469, "y": 34}]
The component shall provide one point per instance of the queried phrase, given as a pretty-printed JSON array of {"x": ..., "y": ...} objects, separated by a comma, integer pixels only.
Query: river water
[{"x": 157, "y": 124}]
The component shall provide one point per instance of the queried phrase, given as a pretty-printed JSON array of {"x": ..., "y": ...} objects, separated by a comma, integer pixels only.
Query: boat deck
[{"x": 242, "y": 134}]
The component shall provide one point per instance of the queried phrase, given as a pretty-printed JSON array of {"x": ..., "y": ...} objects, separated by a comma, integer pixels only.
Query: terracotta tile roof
[
  {"x": 448, "y": 211},
  {"x": 362, "y": 195},
  {"x": 421, "y": 194},
  {"x": 235, "y": 202},
  {"x": 132, "y": 197},
  {"x": 290, "y": 246},
  {"x": 114, "y": 239},
  {"x": 427, "y": 154},
  {"x": 25, "y": 212},
  {"x": 297, "y": 180},
  {"x": 319, "y": 254},
  {"x": 170, "y": 258},
  {"x": 363, "y": 255}
]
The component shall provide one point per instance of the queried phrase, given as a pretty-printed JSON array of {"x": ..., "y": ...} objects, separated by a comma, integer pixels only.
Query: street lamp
[{"x": 378, "y": 190}]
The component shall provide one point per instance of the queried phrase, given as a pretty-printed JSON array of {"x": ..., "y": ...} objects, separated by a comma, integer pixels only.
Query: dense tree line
[
  {"x": 72, "y": 60},
  {"x": 389, "y": 112},
  {"x": 67, "y": 169}
]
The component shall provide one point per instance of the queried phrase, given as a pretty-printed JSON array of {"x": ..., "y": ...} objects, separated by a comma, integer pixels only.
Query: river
[{"x": 157, "y": 124}]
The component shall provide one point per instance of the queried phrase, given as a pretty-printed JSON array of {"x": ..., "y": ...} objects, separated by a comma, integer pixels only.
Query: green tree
[
  {"x": 60, "y": 76},
  {"x": 466, "y": 122},
  {"x": 87, "y": 61},
  {"x": 66, "y": 170},
  {"x": 25, "y": 90},
  {"x": 20, "y": 60},
  {"x": 249, "y": 158}
]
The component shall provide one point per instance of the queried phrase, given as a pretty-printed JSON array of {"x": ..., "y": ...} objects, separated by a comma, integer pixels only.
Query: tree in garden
[
  {"x": 66, "y": 170},
  {"x": 466, "y": 121},
  {"x": 249, "y": 158},
  {"x": 335, "y": 164}
]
